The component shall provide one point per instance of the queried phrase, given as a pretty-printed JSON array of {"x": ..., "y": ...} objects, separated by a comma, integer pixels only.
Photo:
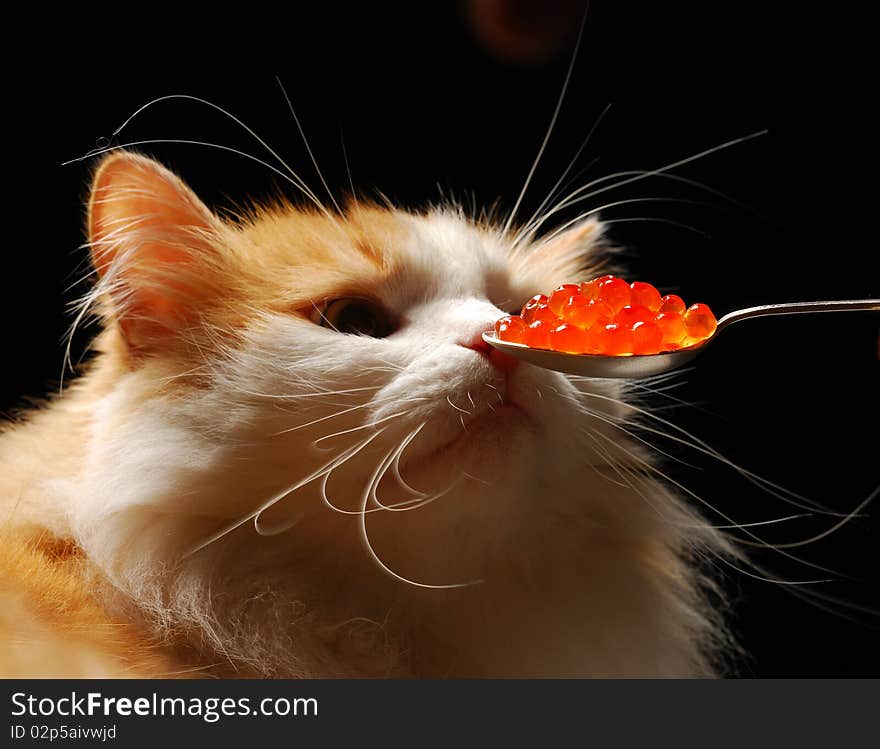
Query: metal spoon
[{"x": 645, "y": 365}]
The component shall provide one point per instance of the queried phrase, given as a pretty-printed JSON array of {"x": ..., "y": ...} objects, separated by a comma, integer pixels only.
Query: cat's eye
[{"x": 355, "y": 316}]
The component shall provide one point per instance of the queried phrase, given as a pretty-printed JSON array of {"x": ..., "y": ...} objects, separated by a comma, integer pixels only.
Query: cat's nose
[{"x": 500, "y": 360}]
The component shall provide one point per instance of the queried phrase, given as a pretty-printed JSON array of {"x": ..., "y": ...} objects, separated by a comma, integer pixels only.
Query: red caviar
[
  {"x": 530, "y": 306},
  {"x": 672, "y": 303},
  {"x": 560, "y": 297},
  {"x": 538, "y": 334},
  {"x": 699, "y": 321},
  {"x": 647, "y": 338},
  {"x": 584, "y": 314},
  {"x": 608, "y": 316},
  {"x": 616, "y": 340},
  {"x": 631, "y": 314},
  {"x": 615, "y": 292},
  {"x": 645, "y": 295},
  {"x": 672, "y": 328},
  {"x": 511, "y": 329},
  {"x": 566, "y": 338}
]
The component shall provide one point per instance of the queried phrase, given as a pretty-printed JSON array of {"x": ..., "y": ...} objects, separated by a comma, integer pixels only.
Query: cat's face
[{"x": 294, "y": 377}]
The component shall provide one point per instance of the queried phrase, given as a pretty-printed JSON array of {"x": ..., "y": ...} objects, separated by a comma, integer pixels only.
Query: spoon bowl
[{"x": 646, "y": 365}]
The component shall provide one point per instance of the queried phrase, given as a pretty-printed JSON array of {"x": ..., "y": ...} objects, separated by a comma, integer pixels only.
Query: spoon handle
[{"x": 796, "y": 308}]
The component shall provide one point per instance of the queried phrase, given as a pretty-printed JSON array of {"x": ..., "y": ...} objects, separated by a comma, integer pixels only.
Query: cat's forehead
[{"x": 373, "y": 250}]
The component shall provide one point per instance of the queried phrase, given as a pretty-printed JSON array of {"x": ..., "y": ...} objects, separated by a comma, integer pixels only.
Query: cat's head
[{"x": 291, "y": 395}]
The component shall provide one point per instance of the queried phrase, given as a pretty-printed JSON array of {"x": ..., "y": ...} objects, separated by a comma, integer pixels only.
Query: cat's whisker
[
  {"x": 756, "y": 524},
  {"x": 774, "y": 580},
  {"x": 530, "y": 228},
  {"x": 764, "y": 544},
  {"x": 419, "y": 502},
  {"x": 206, "y": 144},
  {"x": 663, "y": 392},
  {"x": 512, "y": 216},
  {"x": 640, "y": 476},
  {"x": 856, "y": 513},
  {"x": 553, "y": 190},
  {"x": 303, "y": 396},
  {"x": 474, "y": 478},
  {"x": 354, "y": 195},
  {"x": 368, "y": 547},
  {"x": 389, "y": 462},
  {"x": 85, "y": 304},
  {"x": 338, "y": 413},
  {"x": 457, "y": 408},
  {"x": 656, "y": 220},
  {"x": 306, "y": 143},
  {"x": 396, "y": 465},
  {"x": 278, "y": 496},
  {"x": 695, "y": 443},
  {"x": 585, "y": 192},
  {"x": 616, "y": 464},
  {"x": 188, "y": 97},
  {"x": 322, "y": 315},
  {"x": 615, "y": 204},
  {"x": 366, "y": 425},
  {"x": 325, "y": 479},
  {"x": 393, "y": 463},
  {"x": 759, "y": 542},
  {"x": 617, "y": 425}
]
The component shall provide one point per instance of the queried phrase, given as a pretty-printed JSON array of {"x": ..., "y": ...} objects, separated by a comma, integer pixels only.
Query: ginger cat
[{"x": 292, "y": 455}]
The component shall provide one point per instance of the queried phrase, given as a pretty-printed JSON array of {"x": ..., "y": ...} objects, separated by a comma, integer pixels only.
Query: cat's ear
[
  {"x": 154, "y": 247},
  {"x": 575, "y": 240},
  {"x": 571, "y": 253}
]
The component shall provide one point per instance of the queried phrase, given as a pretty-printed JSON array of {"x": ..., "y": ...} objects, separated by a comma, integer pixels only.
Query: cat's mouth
[{"x": 484, "y": 432}]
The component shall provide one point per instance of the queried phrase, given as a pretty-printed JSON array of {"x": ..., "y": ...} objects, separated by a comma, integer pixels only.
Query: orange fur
[{"x": 51, "y": 624}]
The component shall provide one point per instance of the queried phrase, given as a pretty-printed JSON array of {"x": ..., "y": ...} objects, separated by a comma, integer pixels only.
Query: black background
[{"x": 420, "y": 103}]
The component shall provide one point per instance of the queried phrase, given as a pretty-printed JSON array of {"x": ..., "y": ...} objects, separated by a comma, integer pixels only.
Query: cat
[{"x": 292, "y": 455}]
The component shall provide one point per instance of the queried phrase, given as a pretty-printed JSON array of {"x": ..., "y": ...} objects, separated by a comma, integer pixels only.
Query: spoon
[{"x": 645, "y": 365}]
